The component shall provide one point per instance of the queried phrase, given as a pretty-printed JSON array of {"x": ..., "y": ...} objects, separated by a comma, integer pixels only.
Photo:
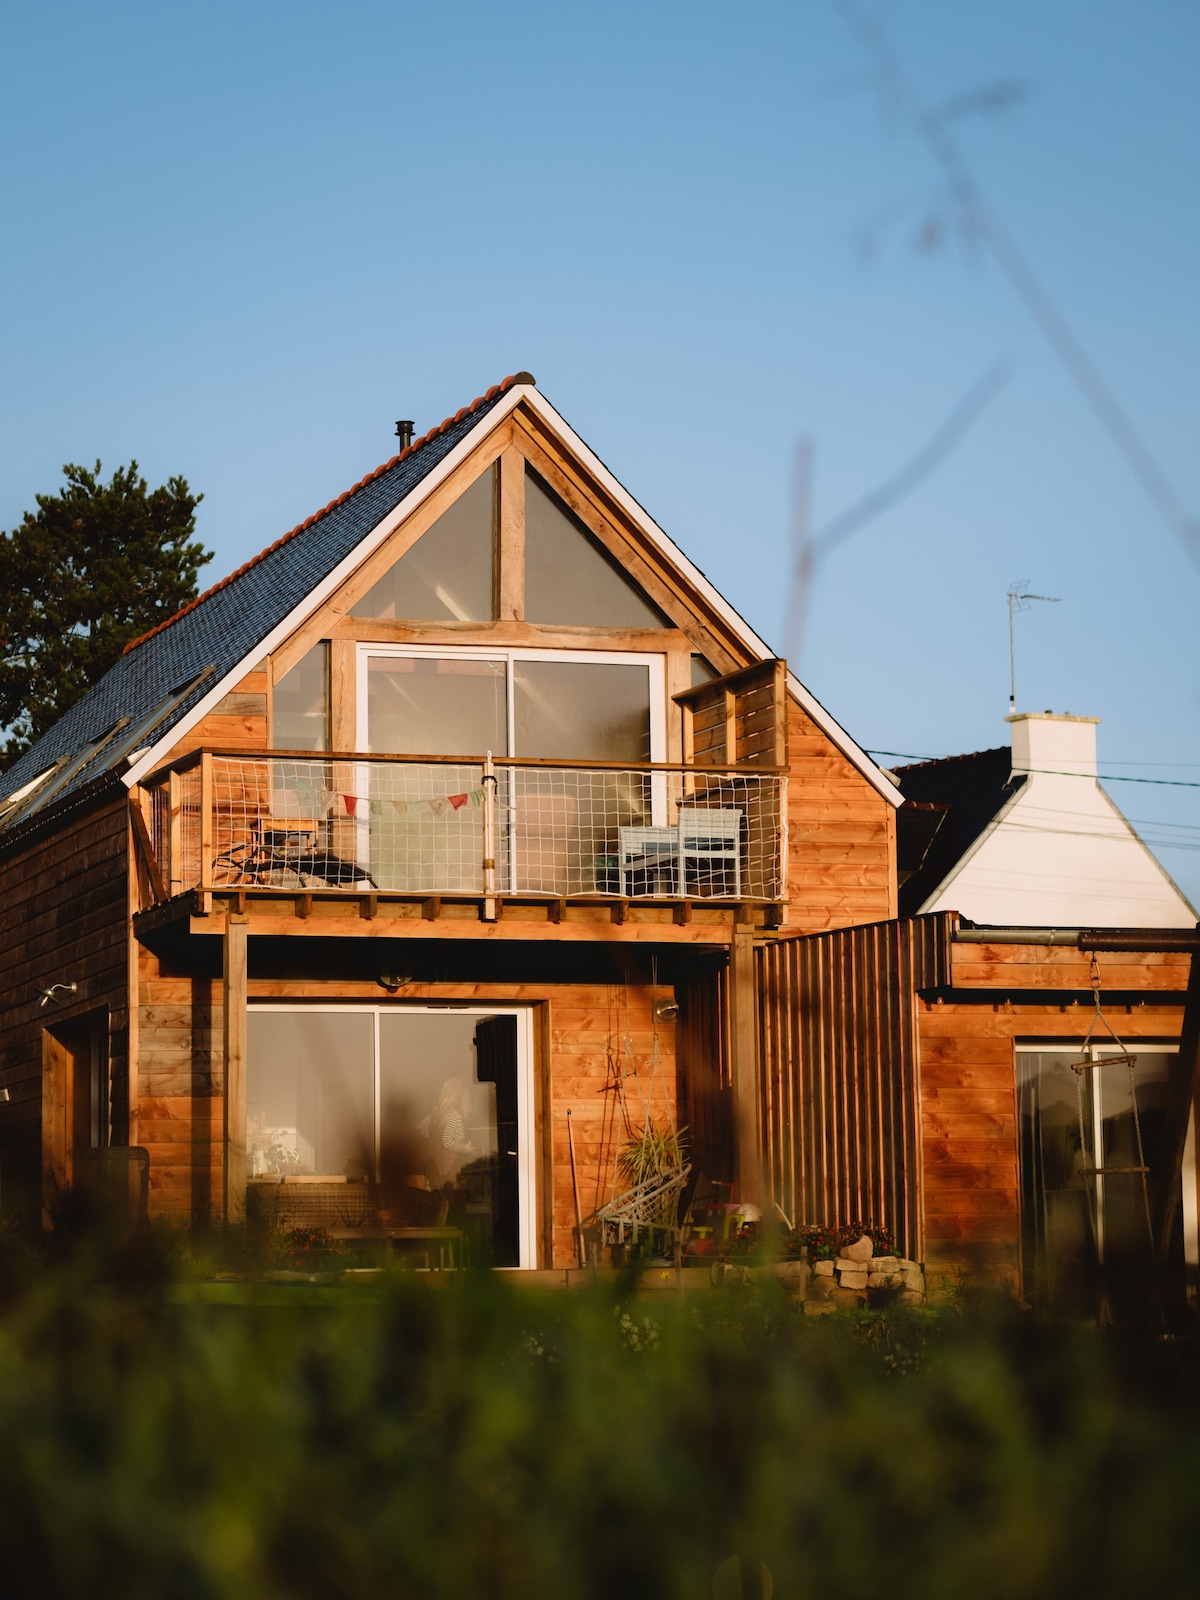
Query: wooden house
[
  {"x": 468, "y": 829},
  {"x": 402, "y": 858}
]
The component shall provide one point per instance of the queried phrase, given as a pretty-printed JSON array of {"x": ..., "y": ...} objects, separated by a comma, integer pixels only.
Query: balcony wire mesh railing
[{"x": 475, "y": 827}]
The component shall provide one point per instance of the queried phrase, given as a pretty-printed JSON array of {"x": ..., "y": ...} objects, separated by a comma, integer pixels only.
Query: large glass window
[
  {"x": 436, "y": 705},
  {"x": 557, "y": 829},
  {"x": 310, "y": 1101},
  {"x": 581, "y": 710},
  {"x": 525, "y": 703},
  {"x": 300, "y": 704},
  {"x": 449, "y": 574},
  {"x": 427, "y": 1110},
  {"x": 569, "y": 579},
  {"x": 1084, "y": 1197}
]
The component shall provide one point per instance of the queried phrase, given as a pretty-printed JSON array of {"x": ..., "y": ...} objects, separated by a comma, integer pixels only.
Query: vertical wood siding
[{"x": 839, "y": 1073}]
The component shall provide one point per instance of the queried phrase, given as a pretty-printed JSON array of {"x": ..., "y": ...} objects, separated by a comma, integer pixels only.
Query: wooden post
[
  {"x": 743, "y": 1039},
  {"x": 489, "y": 839},
  {"x": 236, "y": 940},
  {"x": 174, "y": 836},
  {"x": 1183, "y": 1099},
  {"x": 510, "y": 540},
  {"x": 206, "y": 827}
]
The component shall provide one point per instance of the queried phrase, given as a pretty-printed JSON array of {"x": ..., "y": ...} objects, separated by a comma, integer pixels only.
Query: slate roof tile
[{"x": 223, "y": 626}]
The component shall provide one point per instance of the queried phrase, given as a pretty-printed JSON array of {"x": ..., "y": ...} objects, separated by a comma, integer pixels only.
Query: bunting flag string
[{"x": 440, "y": 805}]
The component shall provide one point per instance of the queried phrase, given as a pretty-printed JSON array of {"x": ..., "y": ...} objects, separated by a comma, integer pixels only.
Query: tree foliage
[{"x": 96, "y": 566}]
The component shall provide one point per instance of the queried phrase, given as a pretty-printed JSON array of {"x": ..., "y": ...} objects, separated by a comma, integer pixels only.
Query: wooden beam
[
  {"x": 142, "y": 834},
  {"x": 743, "y": 1036},
  {"x": 206, "y": 821},
  {"x": 343, "y": 695},
  {"x": 510, "y": 537},
  {"x": 174, "y": 834},
  {"x": 234, "y": 998}
]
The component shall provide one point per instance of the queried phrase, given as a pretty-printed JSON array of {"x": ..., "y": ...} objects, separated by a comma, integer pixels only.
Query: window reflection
[
  {"x": 300, "y": 704},
  {"x": 569, "y": 579},
  {"x": 449, "y": 574}
]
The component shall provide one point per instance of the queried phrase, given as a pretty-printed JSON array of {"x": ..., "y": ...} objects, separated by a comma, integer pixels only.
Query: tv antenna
[{"x": 1019, "y": 598}]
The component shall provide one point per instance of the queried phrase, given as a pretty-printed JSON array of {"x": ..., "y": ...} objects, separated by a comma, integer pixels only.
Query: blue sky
[{"x": 241, "y": 239}]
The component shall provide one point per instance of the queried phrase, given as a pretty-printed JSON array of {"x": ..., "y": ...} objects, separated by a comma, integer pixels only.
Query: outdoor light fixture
[
  {"x": 391, "y": 981},
  {"x": 56, "y": 989}
]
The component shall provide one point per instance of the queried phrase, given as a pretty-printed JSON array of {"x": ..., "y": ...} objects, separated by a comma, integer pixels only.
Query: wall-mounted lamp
[
  {"x": 391, "y": 981},
  {"x": 54, "y": 990}
]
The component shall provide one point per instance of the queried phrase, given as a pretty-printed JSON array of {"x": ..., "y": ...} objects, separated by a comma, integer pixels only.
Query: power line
[
  {"x": 1053, "y": 772},
  {"x": 931, "y": 127}
]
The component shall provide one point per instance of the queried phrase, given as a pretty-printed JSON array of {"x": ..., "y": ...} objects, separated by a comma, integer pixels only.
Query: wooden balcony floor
[{"x": 356, "y": 914}]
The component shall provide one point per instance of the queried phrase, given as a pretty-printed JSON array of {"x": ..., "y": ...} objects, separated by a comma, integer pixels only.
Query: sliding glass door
[
  {"x": 557, "y": 828},
  {"x": 1090, "y": 1189},
  {"x": 401, "y": 1098}
]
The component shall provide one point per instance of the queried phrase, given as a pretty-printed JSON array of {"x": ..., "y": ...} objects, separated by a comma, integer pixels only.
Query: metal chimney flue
[{"x": 404, "y": 433}]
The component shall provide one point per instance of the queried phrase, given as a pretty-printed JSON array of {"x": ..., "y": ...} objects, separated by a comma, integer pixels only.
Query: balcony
[{"x": 480, "y": 829}]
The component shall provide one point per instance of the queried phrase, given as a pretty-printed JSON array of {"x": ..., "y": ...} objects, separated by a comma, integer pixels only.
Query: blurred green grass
[{"x": 476, "y": 1437}]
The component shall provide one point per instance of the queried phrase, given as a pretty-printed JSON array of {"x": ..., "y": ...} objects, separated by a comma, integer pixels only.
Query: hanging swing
[
  {"x": 1091, "y": 1165},
  {"x": 647, "y": 1157}
]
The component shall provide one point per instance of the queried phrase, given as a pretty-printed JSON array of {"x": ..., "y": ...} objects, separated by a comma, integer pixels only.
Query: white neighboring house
[{"x": 1040, "y": 845}]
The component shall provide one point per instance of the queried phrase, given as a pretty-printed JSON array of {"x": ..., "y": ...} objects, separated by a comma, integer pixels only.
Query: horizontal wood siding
[
  {"x": 65, "y": 900},
  {"x": 581, "y": 1029},
  {"x": 968, "y": 1083},
  {"x": 841, "y": 836}
]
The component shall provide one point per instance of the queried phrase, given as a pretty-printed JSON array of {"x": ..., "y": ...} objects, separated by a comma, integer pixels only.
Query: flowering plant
[{"x": 820, "y": 1242}]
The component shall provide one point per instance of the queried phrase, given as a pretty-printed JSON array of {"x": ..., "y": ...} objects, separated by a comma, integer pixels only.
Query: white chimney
[{"x": 1046, "y": 742}]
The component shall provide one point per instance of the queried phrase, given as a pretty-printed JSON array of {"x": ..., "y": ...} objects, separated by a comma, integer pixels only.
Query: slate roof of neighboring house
[
  {"x": 215, "y": 632},
  {"x": 947, "y": 805}
]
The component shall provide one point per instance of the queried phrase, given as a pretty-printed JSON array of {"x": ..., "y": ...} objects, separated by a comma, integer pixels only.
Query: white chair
[{"x": 710, "y": 852}]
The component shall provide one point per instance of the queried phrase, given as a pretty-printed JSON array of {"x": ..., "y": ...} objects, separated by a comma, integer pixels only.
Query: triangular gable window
[
  {"x": 449, "y": 574},
  {"x": 569, "y": 580}
]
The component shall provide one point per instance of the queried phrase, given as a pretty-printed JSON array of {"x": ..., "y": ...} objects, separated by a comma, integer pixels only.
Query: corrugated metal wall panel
[{"x": 839, "y": 1071}]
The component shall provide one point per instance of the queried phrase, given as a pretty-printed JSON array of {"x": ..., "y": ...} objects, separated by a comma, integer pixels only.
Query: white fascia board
[
  {"x": 329, "y": 585},
  {"x": 371, "y": 541},
  {"x": 837, "y": 734}
]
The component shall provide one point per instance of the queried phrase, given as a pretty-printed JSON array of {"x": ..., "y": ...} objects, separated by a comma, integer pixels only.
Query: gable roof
[
  {"x": 171, "y": 677},
  {"x": 1027, "y": 845},
  {"x": 214, "y": 634},
  {"x": 948, "y": 804}
]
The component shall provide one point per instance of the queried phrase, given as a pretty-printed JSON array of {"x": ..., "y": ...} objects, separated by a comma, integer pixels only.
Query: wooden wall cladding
[
  {"x": 580, "y": 1039},
  {"x": 740, "y": 719},
  {"x": 839, "y": 1073},
  {"x": 65, "y": 897},
  {"x": 968, "y": 1082},
  {"x": 841, "y": 836}
]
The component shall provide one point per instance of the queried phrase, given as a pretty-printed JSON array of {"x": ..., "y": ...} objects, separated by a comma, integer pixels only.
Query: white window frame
[
  {"x": 527, "y": 1142},
  {"x": 655, "y": 661},
  {"x": 1188, "y": 1176}
]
